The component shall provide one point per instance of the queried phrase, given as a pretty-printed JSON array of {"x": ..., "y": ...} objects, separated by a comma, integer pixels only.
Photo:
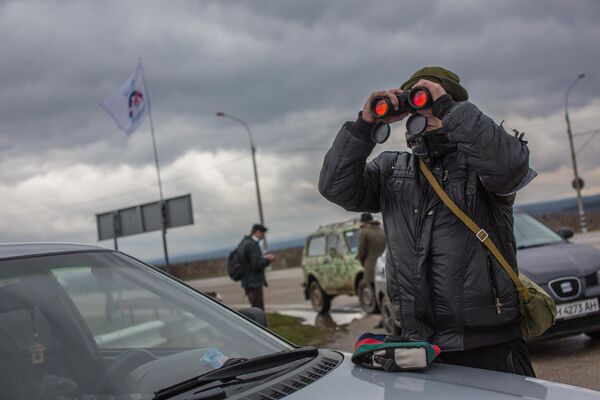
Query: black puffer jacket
[{"x": 444, "y": 285}]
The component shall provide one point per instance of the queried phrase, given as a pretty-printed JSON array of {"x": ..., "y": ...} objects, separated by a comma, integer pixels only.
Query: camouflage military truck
[{"x": 331, "y": 268}]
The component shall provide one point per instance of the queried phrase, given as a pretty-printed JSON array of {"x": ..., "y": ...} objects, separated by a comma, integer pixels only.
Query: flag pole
[{"x": 163, "y": 210}]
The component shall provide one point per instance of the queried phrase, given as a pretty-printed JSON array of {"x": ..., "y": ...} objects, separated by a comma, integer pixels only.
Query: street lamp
[
  {"x": 577, "y": 183},
  {"x": 253, "y": 151}
]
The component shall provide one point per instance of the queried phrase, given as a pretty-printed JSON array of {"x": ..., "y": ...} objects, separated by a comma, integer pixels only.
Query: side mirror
[
  {"x": 565, "y": 232},
  {"x": 255, "y": 314}
]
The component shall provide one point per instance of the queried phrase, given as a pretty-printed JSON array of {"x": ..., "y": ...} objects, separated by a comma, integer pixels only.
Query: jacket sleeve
[
  {"x": 500, "y": 159},
  {"x": 256, "y": 260},
  {"x": 346, "y": 178}
]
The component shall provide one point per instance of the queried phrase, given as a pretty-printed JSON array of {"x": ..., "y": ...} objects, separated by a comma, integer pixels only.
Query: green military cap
[{"x": 448, "y": 79}]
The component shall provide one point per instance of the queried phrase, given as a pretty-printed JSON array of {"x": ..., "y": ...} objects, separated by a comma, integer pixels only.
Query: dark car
[
  {"x": 82, "y": 322},
  {"x": 569, "y": 272}
]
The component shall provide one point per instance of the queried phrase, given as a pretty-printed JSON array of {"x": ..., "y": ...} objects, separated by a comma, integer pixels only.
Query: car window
[
  {"x": 116, "y": 310},
  {"x": 316, "y": 246},
  {"x": 334, "y": 242},
  {"x": 351, "y": 237},
  {"x": 28, "y": 328},
  {"x": 105, "y": 307},
  {"x": 529, "y": 232}
]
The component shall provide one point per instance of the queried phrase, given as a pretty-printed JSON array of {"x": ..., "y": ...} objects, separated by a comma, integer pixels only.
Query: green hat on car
[{"x": 448, "y": 79}]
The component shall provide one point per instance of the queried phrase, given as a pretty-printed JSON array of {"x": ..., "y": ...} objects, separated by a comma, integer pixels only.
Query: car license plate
[{"x": 577, "y": 308}]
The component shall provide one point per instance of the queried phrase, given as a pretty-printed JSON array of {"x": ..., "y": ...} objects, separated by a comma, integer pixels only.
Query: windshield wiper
[{"x": 231, "y": 371}]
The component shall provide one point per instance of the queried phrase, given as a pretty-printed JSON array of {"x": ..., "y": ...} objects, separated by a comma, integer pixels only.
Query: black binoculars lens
[
  {"x": 380, "y": 133},
  {"x": 416, "y": 124}
]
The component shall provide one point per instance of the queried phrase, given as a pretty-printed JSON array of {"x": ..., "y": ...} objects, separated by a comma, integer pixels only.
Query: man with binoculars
[{"x": 444, "y": 285}]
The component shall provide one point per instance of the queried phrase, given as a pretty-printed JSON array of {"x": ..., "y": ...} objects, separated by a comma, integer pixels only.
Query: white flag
[{"x": 129, "y": 104}]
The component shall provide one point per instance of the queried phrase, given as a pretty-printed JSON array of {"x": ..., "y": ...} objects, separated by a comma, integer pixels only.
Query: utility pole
[
  {"x": 577, "y": 182},
  {"x": 253, "y": 152}
]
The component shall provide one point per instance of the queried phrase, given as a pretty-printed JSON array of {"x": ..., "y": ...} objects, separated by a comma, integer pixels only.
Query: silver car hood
[
  {"x": 439, "y": 382},
  {"x": 543, "y": 264}
]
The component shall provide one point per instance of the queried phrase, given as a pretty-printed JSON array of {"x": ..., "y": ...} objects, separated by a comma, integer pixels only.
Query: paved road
[
  {"x": 285, "y": 294},
  {"x": 285, "y": 289},
  {"x": 572, "y": 360},
  {"x": 591, "y": 238}
]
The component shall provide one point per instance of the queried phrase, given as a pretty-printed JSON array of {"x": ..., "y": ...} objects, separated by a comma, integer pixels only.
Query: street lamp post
[
  {"x": 253, "y": 151},
  {"x": 582, "y": 219}
]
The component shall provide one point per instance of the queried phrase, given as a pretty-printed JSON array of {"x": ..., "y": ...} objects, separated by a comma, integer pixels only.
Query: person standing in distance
[
  {"x": 254, "y": 264},
  {"x": 445, "y": 287},
  {"x": 371, "y": 245}
]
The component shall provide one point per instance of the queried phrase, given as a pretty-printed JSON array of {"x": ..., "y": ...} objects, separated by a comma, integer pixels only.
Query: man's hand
[
  {"x": 271, "y": 257},
  {"x": 435, "y": 89},
  {"x": 391, "y": 94}
]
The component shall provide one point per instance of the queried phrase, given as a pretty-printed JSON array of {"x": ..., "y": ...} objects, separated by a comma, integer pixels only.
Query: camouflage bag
[{"x": 538, "y": 313}]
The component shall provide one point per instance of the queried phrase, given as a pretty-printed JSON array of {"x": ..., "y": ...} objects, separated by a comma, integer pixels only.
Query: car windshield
[
  {"x": 529, "y": 232},
  {"x": 84, "y": 324},
  {"x": 351, "y": 237}
]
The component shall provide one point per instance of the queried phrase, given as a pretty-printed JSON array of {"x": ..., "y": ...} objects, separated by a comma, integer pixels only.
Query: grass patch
[{"x": 292, "y": 329}]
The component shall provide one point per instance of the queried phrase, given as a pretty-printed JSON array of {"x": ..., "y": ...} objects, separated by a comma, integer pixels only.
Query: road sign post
[{"x": 148, "y": 217}]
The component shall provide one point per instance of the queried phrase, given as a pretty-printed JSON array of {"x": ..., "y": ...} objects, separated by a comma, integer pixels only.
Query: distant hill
[
  {"x": 564, "y": 206},
  {"x": 209, "y": 255}
]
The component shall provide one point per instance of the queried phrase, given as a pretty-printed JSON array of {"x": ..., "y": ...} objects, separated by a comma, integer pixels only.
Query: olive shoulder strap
[{"x": 480, "y": 233}]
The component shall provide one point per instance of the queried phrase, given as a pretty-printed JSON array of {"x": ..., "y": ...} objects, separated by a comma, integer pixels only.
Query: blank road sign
[
  {"x": 179, "y": 211},
  {"x": 106, "y": 226},
  {"x": 131, "y": 221},
  {"x": 152, "y": 216},
  {"x": 145, "y": 218}
]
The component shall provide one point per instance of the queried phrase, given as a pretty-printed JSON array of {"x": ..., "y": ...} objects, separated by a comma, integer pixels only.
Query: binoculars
[
  {"x": 418, "y": 98},
  {"x": 409, "y": 101}
]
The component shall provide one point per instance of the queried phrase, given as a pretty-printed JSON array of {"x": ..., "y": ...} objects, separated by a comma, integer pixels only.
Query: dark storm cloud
[
  {"x": 293, "y": 70},
  {"x": 264, "y": 61}
]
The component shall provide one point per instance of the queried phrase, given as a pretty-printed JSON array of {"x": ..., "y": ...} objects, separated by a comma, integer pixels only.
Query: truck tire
[
  {"x": 320, "y": 301},
  {"x": 366, "y": 297}
]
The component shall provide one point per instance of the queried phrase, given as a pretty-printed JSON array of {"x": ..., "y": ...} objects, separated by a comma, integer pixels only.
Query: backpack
[{"x": 235, "y": 269}]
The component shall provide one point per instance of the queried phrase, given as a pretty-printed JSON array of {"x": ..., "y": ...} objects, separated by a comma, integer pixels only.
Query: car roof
[
  {"x": 18, "y": 250},
  {"x": 336, "y": 227}
]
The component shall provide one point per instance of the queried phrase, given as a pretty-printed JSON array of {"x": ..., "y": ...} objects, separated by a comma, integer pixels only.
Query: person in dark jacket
[
  {"x": 445, "y": 287},
  {"x": 254, "y": 264},
  {"x": 371, "y": 245}
]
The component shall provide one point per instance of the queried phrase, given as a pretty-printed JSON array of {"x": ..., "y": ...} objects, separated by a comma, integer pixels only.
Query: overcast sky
[{"x": 294, "y": 71}]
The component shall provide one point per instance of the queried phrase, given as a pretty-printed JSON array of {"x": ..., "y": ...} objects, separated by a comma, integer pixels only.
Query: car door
[
  {"x": 321, "y": 265},
  {"x": 342, "y": 277},
  {"x": 314, "y": 257}
]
